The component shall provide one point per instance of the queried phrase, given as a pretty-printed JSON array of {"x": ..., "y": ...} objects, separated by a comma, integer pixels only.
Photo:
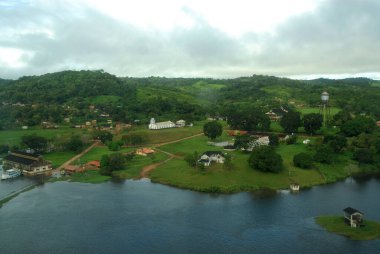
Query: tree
[
  {"x": 75, "y": 144},
  {"x": 249, "y": 119},
  {"x": 337, "y": 142},
  {"x": 342, "y": 117},
  {"x": 291, "y": 121},
  {"x": 104, "y": 136},
  {"x": 364, "y": 155},
  {"x": 228, "y": 162},
  {"x": 358, "y": 125},
  {"x": 134, "y": 139},
  {"x": 213, "y": 129},
  {"x": 114, "y": 145},
  {"x": 312, "y": 122},
  {"x": 109, "y": 163},
  {"x": 192, "y": 159},
  {"x": 264, "y": 158},
  {"x": 324, "y": 154},
  {"x": 303, "y": 160},
  {"x": 273, "y": 139},
  {"x": 32, "y": 141},
  {"x": 242, "y": 141}
]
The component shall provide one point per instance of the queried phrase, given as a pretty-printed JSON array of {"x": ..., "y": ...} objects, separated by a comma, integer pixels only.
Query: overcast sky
[{"x": 191, "y": 38}]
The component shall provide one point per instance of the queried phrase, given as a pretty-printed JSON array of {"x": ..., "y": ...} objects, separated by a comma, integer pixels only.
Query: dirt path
[
  {"x": 147, "y": 169},
  {"x": 77, "y": 156}
]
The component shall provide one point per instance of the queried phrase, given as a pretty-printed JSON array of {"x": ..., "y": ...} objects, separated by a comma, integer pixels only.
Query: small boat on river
[{"x": 10, "y": 173}]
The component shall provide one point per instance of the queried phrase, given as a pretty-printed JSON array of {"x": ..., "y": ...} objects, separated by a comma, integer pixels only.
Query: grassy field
[
  {"x": 219, "y": 179},
  {"x": 97, "y": 152},
  {"x": 134, "y": 167},
  {"x": 336, "y": 224},
  {"x": 13, "y": 137},
  {"x": 89, "y": 176},
  {"x": 58, "y": 158},
  {"x": 167, "y": 135}
]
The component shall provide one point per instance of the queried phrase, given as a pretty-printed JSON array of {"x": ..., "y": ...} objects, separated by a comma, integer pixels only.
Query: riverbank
[{"x": 335, "y": 224}]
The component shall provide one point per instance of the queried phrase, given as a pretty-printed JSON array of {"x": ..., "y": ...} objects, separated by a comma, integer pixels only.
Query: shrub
[
  {"x": 325, "y": 154},
  {"x": 303, "y": 160},
  {"x": 265, "y": 158}
]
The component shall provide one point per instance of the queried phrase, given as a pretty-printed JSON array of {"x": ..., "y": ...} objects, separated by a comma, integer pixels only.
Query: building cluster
[
  {"x": 27, "y": 163},
  {"x": 153, "y": 125}
]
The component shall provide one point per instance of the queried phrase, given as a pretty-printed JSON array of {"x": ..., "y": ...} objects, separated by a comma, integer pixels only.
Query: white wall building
[{"x": 160, "y": 125}]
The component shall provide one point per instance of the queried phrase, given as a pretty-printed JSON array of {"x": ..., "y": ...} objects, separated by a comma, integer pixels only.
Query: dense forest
[{"x": 90, "y": 95}]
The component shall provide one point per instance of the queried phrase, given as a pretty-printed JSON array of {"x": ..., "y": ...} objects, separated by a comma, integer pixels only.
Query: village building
[
  {"x": 180, "y": 123},
  {"x": 93, "y": 164},
  {"x": 144, "y": 151},
  {"x": 211, "y": 156},
  {"x": 276, "y": 114},
  {"x": 28, "y": 163},
  {"x": 378, "y": 123},
  {"x": 69, "y": 169},
  {"x": 353, "y": 217},
  {"x": 160, "y": 125}
]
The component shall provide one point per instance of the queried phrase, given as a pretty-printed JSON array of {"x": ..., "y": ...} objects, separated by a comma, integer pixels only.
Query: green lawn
[
  {"x": 189, "y": 146},
  {"x": 97, "y": 152},
  {"x": 13, "y": 137},
  {"x": 336, "y": 224},
  {"x": 167, "y": 135},
  {"x": 134, "y": 167},
  {"x": 89, "y": 176},
  {"x": 58, "y": 158}
]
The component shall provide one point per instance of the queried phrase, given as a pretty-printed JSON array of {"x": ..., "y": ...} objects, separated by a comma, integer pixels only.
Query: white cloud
[{"x": 190, "y": 38}]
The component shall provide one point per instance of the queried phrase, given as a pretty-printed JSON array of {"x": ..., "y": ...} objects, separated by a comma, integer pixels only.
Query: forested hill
[
  {"x": 60, "y": 87},
  {"x": 75, "y": 94}
]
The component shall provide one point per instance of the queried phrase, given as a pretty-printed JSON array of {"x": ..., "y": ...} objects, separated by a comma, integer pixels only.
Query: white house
[
  {"x": 30, "y": 164},
  {"x": 160, "y": 125},
  {"x": 180, "y": 123},
  {"x": 210, "y": 156}
]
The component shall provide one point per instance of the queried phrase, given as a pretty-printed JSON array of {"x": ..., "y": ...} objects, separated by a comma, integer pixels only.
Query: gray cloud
[{"x": 337, "y": 37}]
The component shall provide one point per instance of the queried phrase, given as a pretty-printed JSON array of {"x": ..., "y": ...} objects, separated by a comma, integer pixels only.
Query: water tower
[{"x": 324, "y": 108}]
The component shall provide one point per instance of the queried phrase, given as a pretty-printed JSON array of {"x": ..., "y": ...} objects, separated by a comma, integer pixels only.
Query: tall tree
[
  {"x": 213, "y": 129},
  {"x": 291, "y": 121},
  {"x": 265, "y": 158},
  {"x": 312, "y": 122},
  {"x": 32, "y": 141}
]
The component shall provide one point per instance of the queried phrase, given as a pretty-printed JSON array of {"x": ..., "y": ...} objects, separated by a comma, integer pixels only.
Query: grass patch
[
  {"x": 13, "y": 137},
  {"x": 189, "y": 146},
  {"x": 167, "y": 135},
  {"x": 58, "y": 158},
  {"x": 97, "y": 152},
  {"x": 336, "y": 224},
  {"x": 134, "y": 167},
  {"x": 89, "y": 176}
]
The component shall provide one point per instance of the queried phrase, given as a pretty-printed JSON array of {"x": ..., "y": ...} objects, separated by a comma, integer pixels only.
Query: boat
[{"x": 10, "y": 173}]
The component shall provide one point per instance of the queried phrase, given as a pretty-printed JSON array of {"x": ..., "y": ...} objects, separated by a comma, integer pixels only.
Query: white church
[{"x": 160, "y": 125}]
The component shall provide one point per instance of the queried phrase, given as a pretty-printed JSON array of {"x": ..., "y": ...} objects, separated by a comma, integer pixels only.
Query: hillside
[{"x": 86, "y": 95}]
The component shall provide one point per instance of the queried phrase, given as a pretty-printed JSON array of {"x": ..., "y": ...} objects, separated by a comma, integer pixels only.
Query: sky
[{"x": 301, "y": 39}]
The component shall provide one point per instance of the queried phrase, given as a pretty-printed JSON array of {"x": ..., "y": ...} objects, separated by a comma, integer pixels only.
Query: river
[{"x": 142, "y": 217}]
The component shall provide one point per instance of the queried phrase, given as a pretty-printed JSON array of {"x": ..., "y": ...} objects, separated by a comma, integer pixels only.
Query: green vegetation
[
  {"x": 89, "y": 176},
  {"x": 336, "y": 224},
  {"x": 58, "y": 158},
  {"x": 213, "y": 129}
]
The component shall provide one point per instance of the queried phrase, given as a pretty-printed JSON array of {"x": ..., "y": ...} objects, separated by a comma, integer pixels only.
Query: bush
[
  {"x": 325, "y": 154},
  {"x": 273, "y": 140},
  {"x": 303, "y": 160},
  {"x": 364, "y": 155},
  {"x": 291, "y": 140},
  {"x": 265, "y": 158}
]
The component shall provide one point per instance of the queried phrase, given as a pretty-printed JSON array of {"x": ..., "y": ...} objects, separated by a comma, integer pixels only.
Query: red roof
[
  {"x": 94, "y": 163},
  {"x": 237, "y": 132}
]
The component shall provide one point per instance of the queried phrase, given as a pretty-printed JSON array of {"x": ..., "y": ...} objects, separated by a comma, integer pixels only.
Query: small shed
[
  {"x": 294, "y": 187},
  {"x": 353, "y": 217},
  {"x": 93, "y": 164},
  {"x": 69, "y": 169}
]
